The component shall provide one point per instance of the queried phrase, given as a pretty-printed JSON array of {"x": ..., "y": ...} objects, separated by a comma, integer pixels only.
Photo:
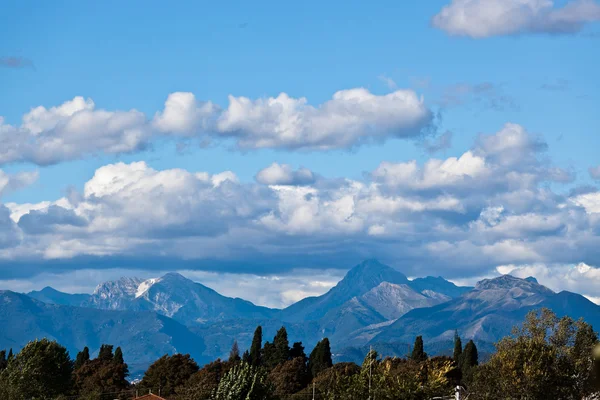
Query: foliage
[
  {"x": 105, "y": 374},
  {"x": 320, "y": 358},
  {"x": 255, "y": 348},
  {"x": 234, "y": 353},
  {"x": 290, "y": 376},
  {"x": 168, "y": 373},
  {"x": 82, "y": 357},
  {"x": 456, "y": 356},
  {"x": 546, "y": 358},
  {"x": 418, "y": 353},
  {"x": 204, "y": 383},
  {"x": 41, "y": 370},
  {"x": 244, "y": 382},
  {"x": 297, "y": 350}
]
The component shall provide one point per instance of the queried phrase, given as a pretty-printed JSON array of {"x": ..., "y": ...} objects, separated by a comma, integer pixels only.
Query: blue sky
[{"x": 538, "y": 71}]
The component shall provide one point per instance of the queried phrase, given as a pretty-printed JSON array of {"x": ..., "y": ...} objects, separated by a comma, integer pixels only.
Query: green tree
[
  {"x": 268, "y": 355},
  {"x": 10, "y": 355},
  {"x": 246, "y": 357},
  {"x": 234, "y": 353},
  {"x": 82, "y": 357},
  {"x": 289, "y": 377},
  {"x": 297, "y": 350},
  {"x": 320, "y": 358},
  {"x": 281, "y": 351},
  {"x": 204, "y": 383},
  {"x": 256, "y": 347},
  {"x": 470, "y": 357},
  {"x": 106, "y": 352},
  {"x": 169, "y": 372},
  {"x": 41, "y": 370},
  {"x": 3, "y": 361},
  {"x": 457, "y": 349},
  {"x": 546, "y": 358},
  {"x": 244, "y": 382},
  {"x": 418, "y": 353}
]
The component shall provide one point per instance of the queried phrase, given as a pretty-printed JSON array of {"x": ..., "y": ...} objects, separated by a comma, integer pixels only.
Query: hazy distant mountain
[
  {"x": 359, "y": 280},
  {"x": 143, "y": 336},
  {"x": 438, "y": 285},
  {"x": 373, "y": 304},
  {"x": 52, "y": 296},
  {"x": 488, "y": 312}
]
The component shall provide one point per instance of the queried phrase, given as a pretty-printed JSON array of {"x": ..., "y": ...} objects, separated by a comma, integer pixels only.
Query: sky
[{"x": 277, "y": 144}]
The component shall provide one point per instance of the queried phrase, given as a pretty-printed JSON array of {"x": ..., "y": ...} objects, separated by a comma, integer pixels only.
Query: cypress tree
[
  {"x": 418, "y": 353},
  {"x": 10, "y": 355},
  {"x": 234, "y": 353},
  {"x": 255, "y": 348},
  {"x": 82, "y": 357},
  {"x": 106, "y": 352},
  {"x": 268, "y": 355},
  {"x": 246, "y": 357},
  {"x": 281, "y": 347},
  {"x": 457, "y": 348},
  {"x": 3, "y": 361},
  {"x": 470, "y": 358},
  {"x": 118, "y": 357},
  {"x": 320, "y": 358}
]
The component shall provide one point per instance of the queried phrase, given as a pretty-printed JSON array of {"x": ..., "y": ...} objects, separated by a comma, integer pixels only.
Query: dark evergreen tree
[
  {"x": 10, "y": 355},
  {"x": 457, "y": 349},
  {"x": 118, "y": 357},
  {"x": 418, "y": 353},
  {"x": 255, "y": 348},
  {"x": 320, "y": 358},
  {"x": 234, "y": 353},
  {"x": 297, "y": 350},
  {"x": 106, "y": 352},
  {"x": 470, "y": 358},
  {"x": 281, "y": 345},
  {"x": 82, "y": 357},
  {"x": 268, "y": 355},
  {"x": 3, "y": 361},
  {"x": 246, "y": 357}
]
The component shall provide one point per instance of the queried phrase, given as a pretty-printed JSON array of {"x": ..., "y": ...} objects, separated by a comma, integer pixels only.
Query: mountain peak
[
  {"x": 371, "y": 273},
  {"x": 509, "y": 282}
]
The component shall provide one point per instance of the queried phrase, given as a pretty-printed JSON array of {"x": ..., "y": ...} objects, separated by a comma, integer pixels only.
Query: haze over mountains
[{"x": 373, "y": 305}]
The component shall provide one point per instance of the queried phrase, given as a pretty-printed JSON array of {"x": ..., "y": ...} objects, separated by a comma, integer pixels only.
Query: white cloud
[
  {"x": 350, "y": 118},
  {"x": 70, "y": 131},
  {"x": 77, "y": 129},
  {"x": 16, "y": 181},
  {"x": 485, "y": 18},
  {"x": 460, "y": 216},
  {"x": 579, "y": 278},
  {"x": 185, "y": 115},
  {"x": 284, "y": 174}
]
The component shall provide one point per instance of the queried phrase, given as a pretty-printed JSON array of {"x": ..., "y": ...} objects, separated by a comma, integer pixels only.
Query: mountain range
[{"x": 373, "y": 305}]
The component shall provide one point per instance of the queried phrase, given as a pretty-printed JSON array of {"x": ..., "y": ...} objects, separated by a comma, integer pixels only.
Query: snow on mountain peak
[{"x": 144, "y": 286}]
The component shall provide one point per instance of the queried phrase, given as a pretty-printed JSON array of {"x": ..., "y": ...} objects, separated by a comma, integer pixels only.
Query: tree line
[{"x": 546, "y": 357}]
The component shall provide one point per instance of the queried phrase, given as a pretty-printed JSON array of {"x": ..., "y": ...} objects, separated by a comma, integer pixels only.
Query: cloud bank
[
  {"x": 486, "y": 18},
  {"x": 77, "y": 128},
  {"x": 460, "y": 216}
]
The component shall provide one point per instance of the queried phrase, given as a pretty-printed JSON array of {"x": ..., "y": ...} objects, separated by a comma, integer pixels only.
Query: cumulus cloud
[
  {"x": 16, "y": 181},
  {"x": 578, "y": 277},
  {"x": 284, "y": 174},
  {"x": 459, "y": 217},
  {"x": 485, "y": 18},
  {"x": 77, "y": 128},
  {"x": 350, "y": 118},
  {"x": 70, "y": 131}
]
